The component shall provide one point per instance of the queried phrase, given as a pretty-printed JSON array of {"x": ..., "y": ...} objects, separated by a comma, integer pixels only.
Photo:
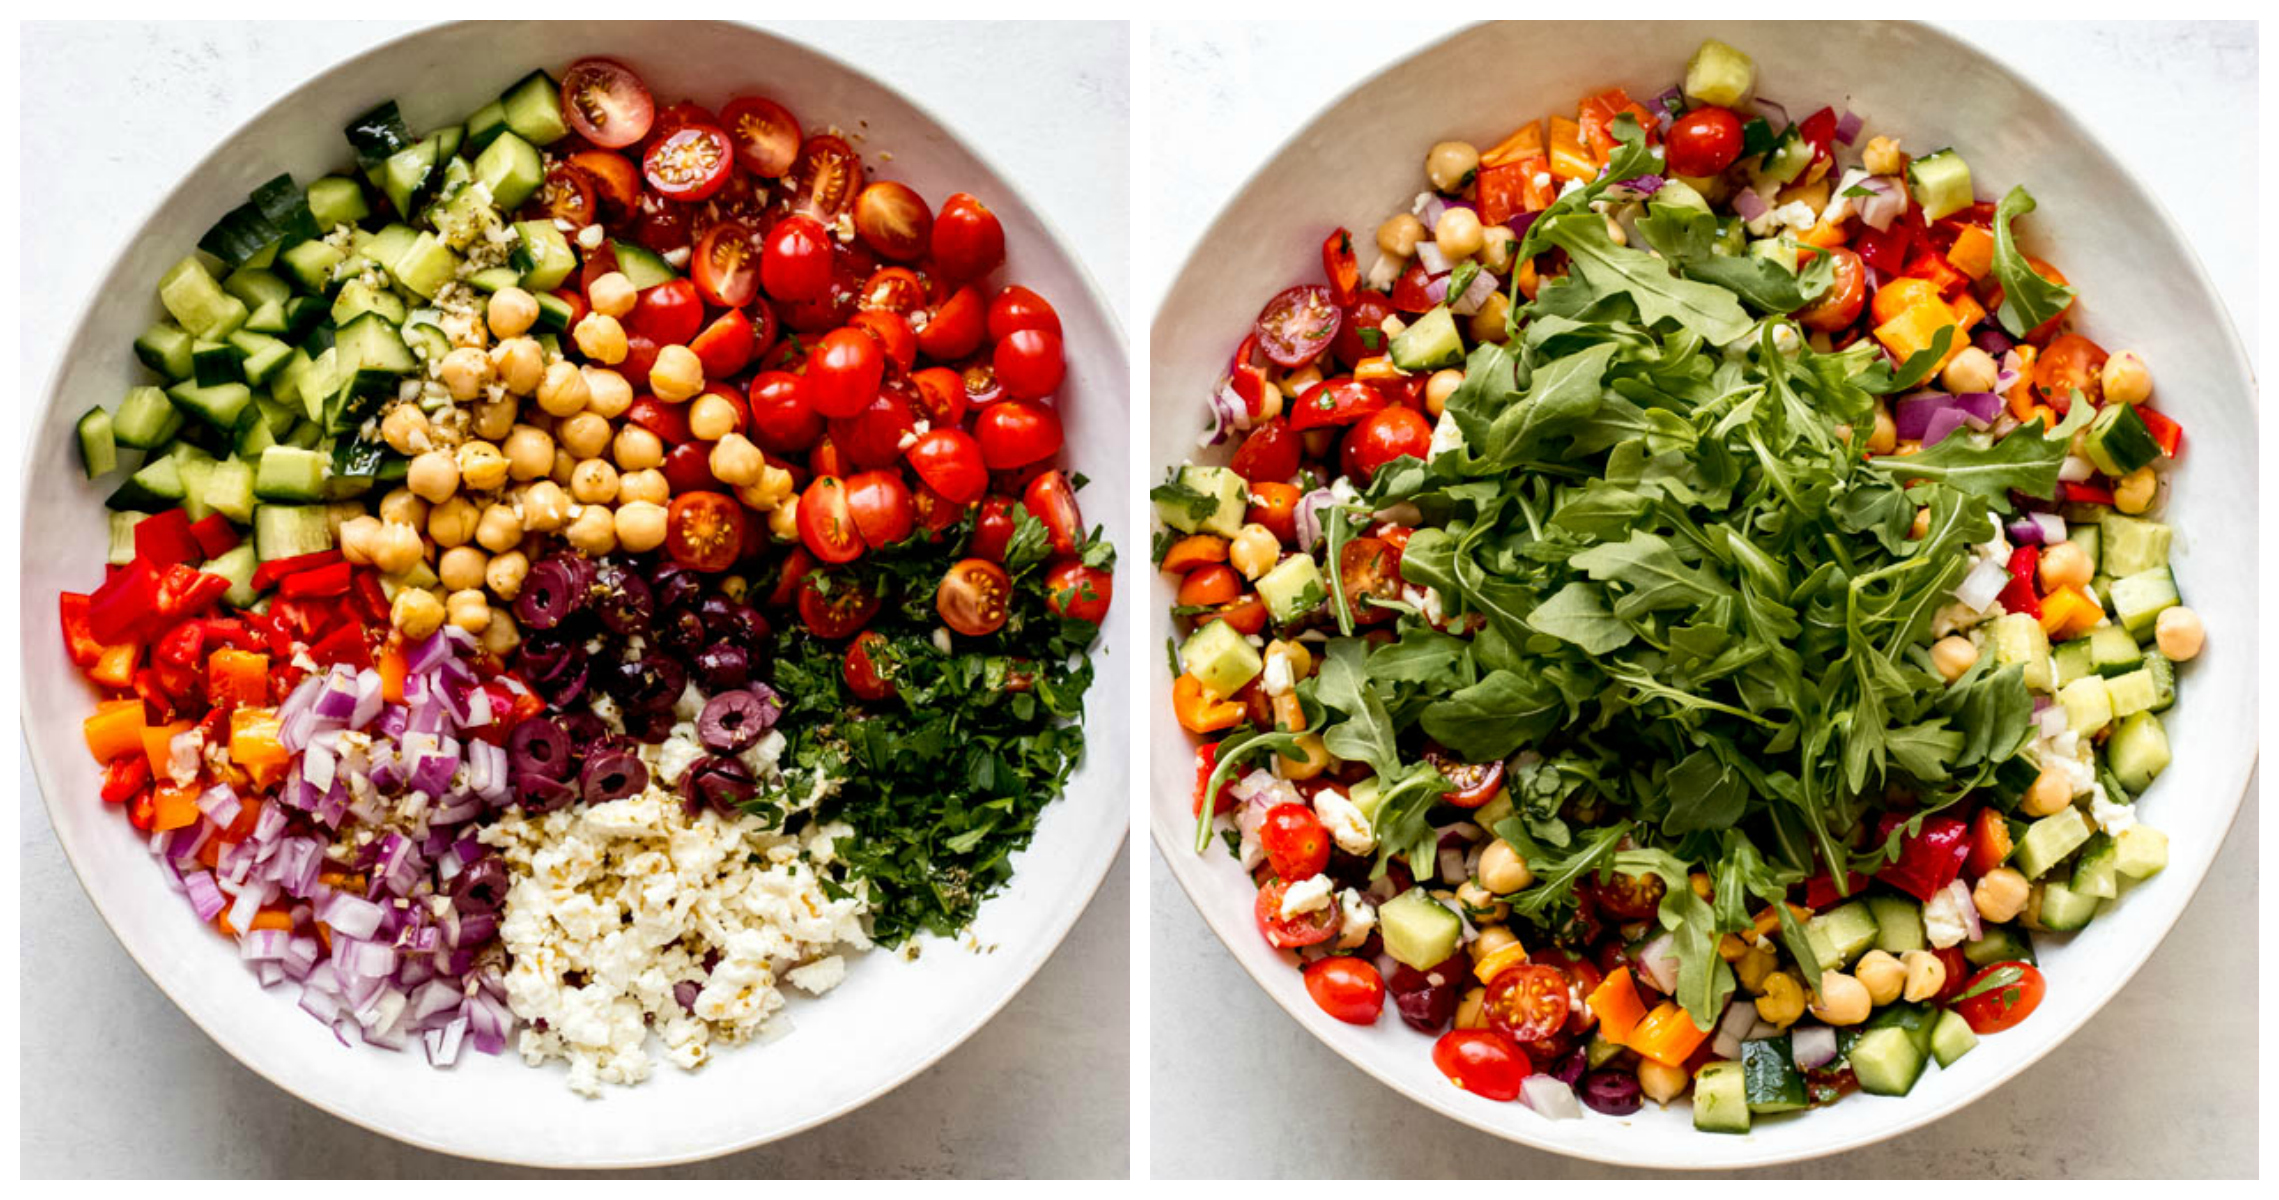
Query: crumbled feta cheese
[
  {"x": 1943, "y": 919},
  {"x": 1345, "y": 821},
  {"x": 1359, "y": 917},
  {"x": 1307, "y": 895},
  {"x": 942, "y": 638},
  {"x": 819, "y": 976},
  {"x": 2111, "y": 817},
  {"x": 590, "y": 236},
  {"x": 1447, "y": 436},
  {"x": 182, "y": 757}
]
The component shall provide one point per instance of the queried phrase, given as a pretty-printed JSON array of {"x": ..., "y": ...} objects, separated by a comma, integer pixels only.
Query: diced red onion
[
  {"x": 2024, "y": 532},
  {"x": 443, "y": 1044},
  {"x": 1979, "y": 408},
  {"x": 1991, "y": 339},
  {"x": 1434, "y": 260},
  {"x": 1887, "y": 203},
  {"x": 1749, "y": 204},
  {"x": 248, "y": 905},
  {"x": 1812, "y": 1046},
  {"x": 1966, "y": 906},
  {"x": 1944, "y": 421},
  {"x": 1483, "y": 285},
  {"x": 1636, "y": 188},
  {"x": 2053, "y": 527},
  {"x": 1659, "y": 961},
  {"x": 1731, "y": 1028},
  {"x": 1848, "y": 127},
  {"x": 1308, "y": 517},
  {"x": 263, "y": 945},
  {"x": 352, "y": 916},
  {"x": 1430, "y": 213},
  {"x": 1550, "y": 1097},
  {"x": 205, "y": 895},
  {"x": 429, "y": 654},
  {"x": 1452, "y": 865}
]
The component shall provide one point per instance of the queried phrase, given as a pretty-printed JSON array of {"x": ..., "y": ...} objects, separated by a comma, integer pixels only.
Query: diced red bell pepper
[
  {"x": 183, "y": 646},
  {"x": 1819, "y": 129},
  {"x": 2087, "y": 493},
  {"x": 1959, "y": 971},
  {"x": 1339, "y": 265},
  {"x": 216, "y": 536},
  {"x": 1503, "y": 191},
  {"x": 1928, "y": 861},
  {"x": 142, "y": 811},
  {"x": 164, "y": 539},
  {"x": 1820, "y": 890},
  {"x": 345, "y": 644},
  {"x": 78, "y": 637},
  {"x": 157, "y": 704},
  {"x": 2018, "y": 595},
  {"x": 324, "y": 581},
  {"x": 1989, "y": 841},
  {"x": 369, "y": 597},
  {"x": 233, "y": 632},
  {"x": 1883, "y": 249},
  {"x": 306, "y": 620},
  {"x": 1409, "y": 295},
  {"x": 1206, "y": 762},
  {"x": 186, "y": 591},
  {"x": 1929, "y": 265},
  {"x": 2167, "y": 433},
  {"x": 125, "y": 776},
  {"x": 267, "y": 574},
  {"x": 119, "y": 608}
]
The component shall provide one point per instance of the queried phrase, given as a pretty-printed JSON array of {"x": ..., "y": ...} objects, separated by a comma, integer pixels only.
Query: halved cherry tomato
[
  {"x": 881, "y": 506},
  {"x": 1409, "y": 294},
  {"x": 1017, "y": 308},
  {"x": 616, "y": 181},
  {"x": 1384, "y": 435},
  {"x": 898, "y": 290},
  {"x": 1275, "y": 505},
  {"x": 688, "y": 164},
  {"x": 704, "y": 531},
  {"x": 974, "y": 596},
  {"x": 894, "y": 220},
  {"x": 1840, "y": 305},
  {"x": 1297, "y": 325},
  {"x": 1051, "y": 499},
  {"x": 1703, "y": 142},
  {"x": 2070, "y": 363},
  {"x": 726, "y": 265},
  {"x": 1527, "y": 1001},
  {"x": 1483, "y": 1062},
  {"x": 1305, "y": 929},
  {"x": 1340, "y": 267},
  {"x": 1989, "y": 841},
  {"x": 669, "y": 314},
  {"x": 1209, "y": 586},
  {"x": 1030, "y": 363},
  {"x": 941, "y": 396},
  {"x": 956, "y": 328},
  {"x": 796, "y": 567},
  {"x": 873, "y": 437},
  {"x": 1297, "y": 843},
  {"x": 948, "y": 460},
  {"x": 935, "y": 511},
  {"x": 968, "y": 239},
  {"x": 1245, "y": 615},
  {"x": 1475, "y": 783},
  {"x": 860, "y": 669},
  {"x": 826, "y": 459},
  {"x": 1367, "y": 568},
  {"x": 2000, "y": 996},
  {"x": 765, "y": 134},
  {"x": 833, "y": 606},
  {"x": 640, "y": 355},
  {"x": 992, "y": 529},
  {"x": 826, "y": 523},
  {"x": 567, "y": 195},
  {"x": 729, "y": 344},
  {"x": 783, "y": 422},
  {"x": 825, "y": 179},
  {"x": 892, "y": 334},
  {"x": 981, "y": 386},
  {"x": 1339, "y": 401},
  {"x": 1269, "y": 454},
  {"x": 843, "y": 372},
  {"x": 1078, "y": 592},
  {"x": 795, "y": 260},
  {"x": 1015, "y": 433},
  {"x": 1347, "y": 988},
  {"x": 660, "y": 224},
  {"x": 606, "y": 103},
  {"x": 1626, "y": 896}
]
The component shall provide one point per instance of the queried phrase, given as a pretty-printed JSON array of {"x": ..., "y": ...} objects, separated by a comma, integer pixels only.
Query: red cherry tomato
[
  {"x": 833, "y": 606},
  {"x": 1275, "y": 505},
  {"x": 660, "y": 224},
  {"x": 894, "y": 220},
  {"x": 1383, "y": 436},
  {"x": 843, "y": 373},
  {"x": 1296, "y": 841},
  {"x": 669, "y": 314},
  {"x": 968, "y": 239},
  {"x": 973, "y": 597},
  {"x": 616, "y": 181},
  {"x": 872, "y": 438},
  {"x": 1270, "y": 454},
  {"x": 2000, "y": 996},
  {"x": 668, "y": 421},
  {"x": 825, "y": 178},
  {"x": 640, "y": 355},
  {"x": 795, "y": 260},
  {"x": 1209, "y": 585},
  {"x": 1339, "y": 401},
  {"x": 892, "y": 334},
  {"x": 1483, "y": 1062},
  {"x": 1840, "y": 305},
  {"x": 1347, "y": 988},
  {"x": 1625, "y": 896},
  {"x": 1017, "y": 308},
  {"x": 1297, "y": 325},
  {"x": 704, "y": 531},
  {"x": 1703, "y": 142},
  {"x": 783, "y": 422},
  {"x": 765, "y": 134},
  {"x": 688, "y": 468},
  {"x": 897, "y": 290},
  {"x": 726, "y": 265},
  {"x": 860, "y": 669},
  {"x": 826, "y": 459},
  {"x": 1015, "y": 433},
  {"x": 935, "y": 512},
  {"x": 1473, "y": 784},
  {"x": 1078, "y": 592},
  {"x": 1030, "y": 364},
  {"x": 1361, "y": 332},
  {"x": 675, "y": 115},
  {"x": 949, "y": 461},
  {"x": 688, "y": 164},
  {"x": 606, "y": 103},
  {"x": 1050, "y": 499},
  {"x": 992, "y": 529},
  {"x": 729, "y": 344},
  {"x": 956, "y": 328},
  {"x": 568, "y": 195},
  {"x": 881, "y": 507},
  {"x": 941, "y": 396},
  {"x": 982, "y": 388},
  {"x": 1305, "y": 929},
  {"x": 1527, "y": 1002},
  {"x": 827, "y": 522}
]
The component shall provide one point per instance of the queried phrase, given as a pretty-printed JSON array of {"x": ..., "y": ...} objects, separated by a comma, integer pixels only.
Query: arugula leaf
[
  {"x": 1577, "y": 613},
  {"x": 1175, "y": 493},
  {"x": 2026, "y": 460},
  {"x": 1655, "y": 576},
  {"x": 2028, "y": 299},
  {"x": 1492, "y": 718},
  {"x": 1611, "y": 270},
  {"x": 1687, "y": 238}
]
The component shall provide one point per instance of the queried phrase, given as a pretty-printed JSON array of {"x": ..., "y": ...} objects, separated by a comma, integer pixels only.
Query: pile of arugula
[{"x": 1700, "y": 610}]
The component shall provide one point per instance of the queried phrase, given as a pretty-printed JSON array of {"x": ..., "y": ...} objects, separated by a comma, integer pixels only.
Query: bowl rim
[
  {"x": 1176, "y": 850},
  {"x": 1051, "y": 935}
]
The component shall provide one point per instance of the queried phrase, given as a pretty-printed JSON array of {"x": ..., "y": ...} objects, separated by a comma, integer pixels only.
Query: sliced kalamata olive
[
  {"x": 732, "y": 721},
  {"x": 543, "y": 655},
  {"x": 551, "y": 591},
  {"x": 722, "y": 666},
  {"x": 721, "y": 784},
  {"x": 680, "y": 630},
  {"x": 481, "y": 888},
  {"x": 1612, "y": 1092},
  {"x": 655, "y": 683},
  {"x": 543, "y": 795},
  {"x": 584, "y": 729},
  {"x": 622, "y": 600},
  {"x": 651, "y": 726},
  {"x": 565, "y": 689},
  {"x": 612, "y": 775},
  {"x": 675, "y": 586},
  {"x": 538, "y": 748}
]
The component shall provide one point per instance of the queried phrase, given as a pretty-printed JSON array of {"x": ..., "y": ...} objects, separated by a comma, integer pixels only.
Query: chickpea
[
  {"x": 564, "y": 390},
  {"x": 1755, "y": 966},
  {"x": 1399, "y": 235},
  {"x": 783, "y": 519},
  {"x": 1488, "y": 324},
  {"x": 594, "y": 482},
  {"x": 735, "y": 587},
  {"x": 529, "y": 453},
  {"x": 677, "y": 374},
  {"x": 1926, "y": 975},
  {"x": 512, "y": 312},
  {"x": 504, "y": 574},
  {"x": 1254, "y": 550},
  {"x": 1476, "y": 900},
  {"x": 499, "y": 530},
  {"x": 1843, "y": 999},
  {"x": 402, "y": 506},
  {"x": 2133, "y": 492},
  {"x": 1502, "y": 870},
  {"x": 405, "y": 429},
  {"x": 1883, "y": 157},
  {"x": 481, "y": 467},
  {"x": 638, "y": 449},
  {"x": 433, "y": 476},
  {"x": 773, "y": 489},
  {"x": 1661, "y": 1084},
  {"x": 1620, "y": 237},
  {"x": 2051, "y": 790},
  {"x": 465, "y": 371},
  {"x": 1921, "y": 527},
  {"x": 1440, "y": 387},
  {"x": 2179, "y": 634},
  {"x": 468, "y": 610},
  {"x": 1299, "y": 382},
  {"x": 612, "y": 295},
  {"x": 1472, "y": 1012},
  {"x": 640, "y": 526},
  {"x": 452, "y": 523},
  {"x": 396, "y": 549},
  {"x": 1451, "y": 165},
  {"x": 462, "y": 567},
  {"x": 1881, "y": 975},
  {"x": 1952, "y": 656},
  {"x": 2000, "y": 893},
  {"x": 1315, "y": 762},
  {"x": 594, "y": 532},
  {"x": 545, "y": 507},
  {"x": 711, "y": 417},
  {"x": 564, "y": 464},
  {"x": 1492, "y": 940},
  {"x": 2065, "y": 565},
  {"x": 416, "y": 612},
  {"x": 520, "y": 364},
  {"x": 357, "y": 538},
  {"x": 1783, "y": 1001},
  {"x": 1884, "y": 438},
  {"x": 1497, "y": 242},
  {"x": 584, "y": 435},
  {"x": 501, "y": 636},
  {"x": 601, "y": 338},
  {"x": 1458, "y": 233},
  {"x": 1973, "y": 370},
  {"x": 493, "y": 419},
  {"x": 607, "y": 392},
  {"x": 648, "y": 484},
  {"x": 2125, "y": 380},
  {"x": 736, "y": 461},
  {"x": 1269, "y": 400}
]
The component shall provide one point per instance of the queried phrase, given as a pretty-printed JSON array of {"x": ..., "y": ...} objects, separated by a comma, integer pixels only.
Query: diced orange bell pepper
[
  {"x": 1194, "y": 551},
  {"x": 236, "y": 676},
  {"x": 2021, "y": 393},
  {"x": 2068, "y": 613},
  {"x": 1524, "y": 142},
  {"x": 1973, "y": 252},
  {"x": 1968, "y": 313},
  {"x": 1667, "y": 1035},
  {"x": 1493, "y": 965},
  {"x": 1912, "y": 332},
  {"x": 115, "y": 666},
  {"x": 267, "y": 918},
  {"x": 1529, "y": 281},
  {"x": 254, "y": 740},
  {"x": 1897, "y": 295},
  {"x": 1825, "y": 235},
  {"x": 115, "y": 730},
  {"x": 1619, "y": 1010},
  {"x": 1570, "y": 158},
  {"x": 1198, "y": 711},
  {"x": 157, "y": 743},
  {"x": 394, "y": 665},
  {"x": 177, "y": 807},
  {"x": 1596, "y": 114}
]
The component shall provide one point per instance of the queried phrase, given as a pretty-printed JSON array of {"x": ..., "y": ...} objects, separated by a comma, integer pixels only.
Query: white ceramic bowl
[
  {"x": 1359, "y": 161},
  {"x": 891, "y": 1018}
]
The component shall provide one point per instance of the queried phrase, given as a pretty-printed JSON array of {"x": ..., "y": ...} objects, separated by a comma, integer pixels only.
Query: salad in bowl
[{"x": 1682, "y": 611}]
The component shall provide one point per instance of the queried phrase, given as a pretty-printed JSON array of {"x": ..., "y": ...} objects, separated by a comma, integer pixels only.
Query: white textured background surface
[
  {"x": 115, "y": 1081},
  {"x": 2159, "y": 1084}
]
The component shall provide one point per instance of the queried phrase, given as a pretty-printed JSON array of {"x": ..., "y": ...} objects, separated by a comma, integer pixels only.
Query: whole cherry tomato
[
  {"x": 949, "y": 461},
  {"x": 1269, "y": 453},
  {"x": 1703, "y": 142},
  {"x": 1078, "y": 592},
  {"x": 1483, "y": 1062},
  {"x": 873, "y": 437},
  {"x": 1347, "y": 988},
  {"x": 843, "y": 372},
  {"x": 1017, "y": 308},
  {"x": 1030, "y": 363},
  {"x": 783, "y": 421},
  {"x": 1297, "y": 843},
  {"x": 669, "y": 314},
  {"x": 992, "y": 529},
  {"x": 795, "y": 260},
  {"x": 1383, "y": 436},
  {"x": 1015, "y": 433},
  {"x": 968, "y": 239},
  {"x": 880, "y": 503},
  {"x": 2000, "y": 996}
]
